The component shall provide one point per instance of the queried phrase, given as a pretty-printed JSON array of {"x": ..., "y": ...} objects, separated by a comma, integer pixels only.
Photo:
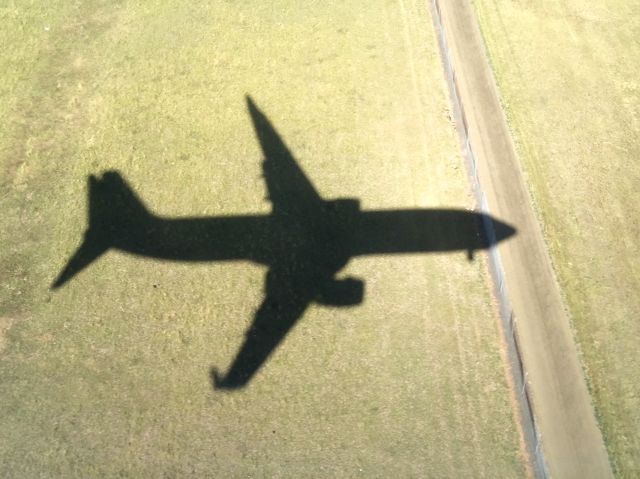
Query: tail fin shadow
[{"x": 112, "y": 207}]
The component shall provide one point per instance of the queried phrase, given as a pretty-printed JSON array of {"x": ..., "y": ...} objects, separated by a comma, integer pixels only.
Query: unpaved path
[{"x": 571, "y": 440}]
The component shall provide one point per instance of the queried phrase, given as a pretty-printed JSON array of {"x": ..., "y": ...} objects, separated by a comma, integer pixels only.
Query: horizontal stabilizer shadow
[{"x": 304, "y": 242}]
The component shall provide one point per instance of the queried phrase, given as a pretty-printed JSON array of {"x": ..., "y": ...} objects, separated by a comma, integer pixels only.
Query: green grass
[
  {"x": 109, "y": 376},
  {"x": 568, "y": 74}
]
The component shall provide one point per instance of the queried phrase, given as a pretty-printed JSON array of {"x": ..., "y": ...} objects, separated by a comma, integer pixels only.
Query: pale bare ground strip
[
  {"x": 574, "y": 112},
  {"x": 572, "y": 443}
]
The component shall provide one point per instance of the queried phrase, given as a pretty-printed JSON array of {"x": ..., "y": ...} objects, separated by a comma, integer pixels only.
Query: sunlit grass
[{"x": 110, "y": 375}]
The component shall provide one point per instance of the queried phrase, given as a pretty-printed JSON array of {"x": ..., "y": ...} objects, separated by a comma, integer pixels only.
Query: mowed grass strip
[
  {"x": 568, "y": 74},
  {"x": 109, "y": 376}
]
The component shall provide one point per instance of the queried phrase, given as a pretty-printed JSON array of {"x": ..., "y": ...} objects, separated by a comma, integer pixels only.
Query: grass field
[
  {"x": 109, "y": 375},
  {"x": 568, "y": 74}
]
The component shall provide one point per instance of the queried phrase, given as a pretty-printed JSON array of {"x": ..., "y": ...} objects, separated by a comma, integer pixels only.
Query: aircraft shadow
[{"x": 305, "y": 242}]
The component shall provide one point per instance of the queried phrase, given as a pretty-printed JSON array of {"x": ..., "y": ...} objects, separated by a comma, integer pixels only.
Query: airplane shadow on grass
[{"x": 305, "y": 242}]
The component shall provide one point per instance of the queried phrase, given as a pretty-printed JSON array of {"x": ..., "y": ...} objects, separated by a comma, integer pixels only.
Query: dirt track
[{"x": 571, "y": 440}]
